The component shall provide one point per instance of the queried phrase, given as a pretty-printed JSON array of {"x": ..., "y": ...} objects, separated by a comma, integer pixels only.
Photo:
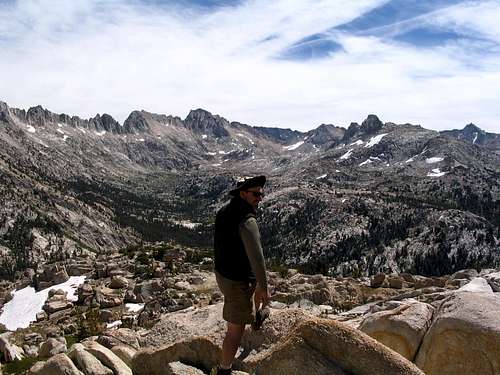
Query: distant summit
[{"x": 475, "y": 135}]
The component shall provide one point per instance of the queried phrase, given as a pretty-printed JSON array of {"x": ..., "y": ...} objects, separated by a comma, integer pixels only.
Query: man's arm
[{"x": 250, "y": 235}]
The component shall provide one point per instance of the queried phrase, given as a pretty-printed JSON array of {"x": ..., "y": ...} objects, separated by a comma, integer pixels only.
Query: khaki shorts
[{"x": 238, "y": 300}]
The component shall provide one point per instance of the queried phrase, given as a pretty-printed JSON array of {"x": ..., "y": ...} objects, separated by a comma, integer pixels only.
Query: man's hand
[{"x": 261, "y": 295}]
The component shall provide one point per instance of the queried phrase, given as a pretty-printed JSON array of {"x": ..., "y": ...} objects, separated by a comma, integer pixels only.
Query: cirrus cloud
[{"x": 241, "y": 60}]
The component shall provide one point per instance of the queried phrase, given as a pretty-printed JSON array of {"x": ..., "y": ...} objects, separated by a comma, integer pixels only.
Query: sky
[{"x": 284, "y": 63}]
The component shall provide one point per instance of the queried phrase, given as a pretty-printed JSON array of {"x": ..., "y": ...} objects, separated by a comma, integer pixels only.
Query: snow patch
[
  {"x": 211, "y": 153},
  {"x": 475, "y": 138},
  {"x": 204, "y": 136},
  {"x": 433, "y": 160},
  {"x": 116, "y": 323},
  {"x": 31, "y": 129},
  {"x": 371, "y": 159},
  {"x": 322, "y": 176},
  {"x": 374, "y": 140},
  {"x": 186, "y": 224},
  {"x": 134, "y": 307},
  {"x": 82, "y": 130},
  {"x": 294, "y": 146},
  {"x": 100, "y": 133},
  {"x": 60, "y": 131},
  {"x": 60, "y": 125},
  {"x": 141, "y": 139},
  {"x": 21, "y": 310},
  {"x": 436, "y": 173},
  {"x": 359, "y": 142},
  {"x": 347, "y": 155},
  {"x": 409, "y": 160},
  {"x": 65, "y": 137}
]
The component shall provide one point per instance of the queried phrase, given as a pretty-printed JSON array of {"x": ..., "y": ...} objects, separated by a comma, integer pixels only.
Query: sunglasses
[{"x": 256, "y": 194}]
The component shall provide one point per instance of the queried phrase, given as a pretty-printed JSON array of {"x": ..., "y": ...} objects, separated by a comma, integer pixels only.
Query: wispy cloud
[{"x": 88, "y": 56}]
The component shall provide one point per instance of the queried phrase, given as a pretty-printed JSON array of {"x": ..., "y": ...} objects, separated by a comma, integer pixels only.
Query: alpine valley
[{"x": 372, "y": 197}]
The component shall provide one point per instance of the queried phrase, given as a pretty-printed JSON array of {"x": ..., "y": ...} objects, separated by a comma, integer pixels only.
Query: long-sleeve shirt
[{"x": 250, "y": 235}]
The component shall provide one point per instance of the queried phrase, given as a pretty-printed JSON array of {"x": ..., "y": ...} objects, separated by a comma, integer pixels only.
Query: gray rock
[
  {"x": 121, "y": 336},
  {"x": 196, "y": 350},
  {"x": 377, "y": 280},
  {"x": 402, "y": 328},
  {"x": 179, "y": 368},
  {"x": 464, "y": 336},
  {"x": 60, "y": 364},
  {"x": 52, "y": 347},
  {"x": 478, "y": 285},
  {"x": 465, "y": 274},
  {"x": 107, "y": 358},
  {"x": 322, "y": 346},
  {"x": 106, "y": 297},
  {"x": 42, "y": 315},
  {"x": 125, "y": 353},
  {"x": 494, "y": 281},
  {"x": 11, "y": 352},
  {"x": 395, "y": 282},
  {"x": 86, "y": 362},
  {"x": 118, "y": 282},
  {"x": 106, "y": 316},
  {"x": 56, "y": 303}
]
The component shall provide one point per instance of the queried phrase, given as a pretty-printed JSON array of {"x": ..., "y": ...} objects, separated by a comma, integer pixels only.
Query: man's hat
[{"x": 248, "y": 183}]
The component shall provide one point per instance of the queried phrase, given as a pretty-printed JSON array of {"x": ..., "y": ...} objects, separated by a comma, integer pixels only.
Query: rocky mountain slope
[
  {"x": 156, "y": 310},
  {"x": 373, "y": 197}
]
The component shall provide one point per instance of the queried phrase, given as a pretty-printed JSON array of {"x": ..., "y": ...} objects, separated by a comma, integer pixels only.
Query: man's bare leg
[{"x": 231, "y": 343}]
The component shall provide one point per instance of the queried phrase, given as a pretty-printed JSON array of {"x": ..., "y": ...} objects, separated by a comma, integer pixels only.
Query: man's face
[{"x": 252, "y": 195}]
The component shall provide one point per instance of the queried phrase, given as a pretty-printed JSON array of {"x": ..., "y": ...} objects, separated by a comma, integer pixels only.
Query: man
[{"x": 239, "y": 265}]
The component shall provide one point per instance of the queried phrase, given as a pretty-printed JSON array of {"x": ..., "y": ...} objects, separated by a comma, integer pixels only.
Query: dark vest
[{"x": 231, "y": 260}]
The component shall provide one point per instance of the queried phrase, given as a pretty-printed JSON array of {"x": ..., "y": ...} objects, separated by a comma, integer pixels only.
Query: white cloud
[{"x": 88, "y": 56}]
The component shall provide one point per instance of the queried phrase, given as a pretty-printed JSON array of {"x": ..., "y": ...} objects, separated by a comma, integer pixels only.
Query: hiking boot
[{"x": 260, "y": 316}]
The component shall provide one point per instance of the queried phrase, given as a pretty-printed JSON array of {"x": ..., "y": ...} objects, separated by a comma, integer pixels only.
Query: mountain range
[{"x": 372, "y": 197}]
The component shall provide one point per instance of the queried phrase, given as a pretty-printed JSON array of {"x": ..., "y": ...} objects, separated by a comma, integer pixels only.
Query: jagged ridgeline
[{"x": 375, "y": 197}]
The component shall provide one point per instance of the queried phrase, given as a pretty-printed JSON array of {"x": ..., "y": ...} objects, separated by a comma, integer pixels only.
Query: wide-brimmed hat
[{"x": 248, "y": 183}]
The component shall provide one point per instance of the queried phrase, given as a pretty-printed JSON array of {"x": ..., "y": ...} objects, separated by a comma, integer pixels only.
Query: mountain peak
[
  {"x": 372, "y": 124},
  {"x": 472, "y": 128},
  {"x": 107, "y": 122},
  {"x": 202, "y": 121},
  {"x": 135, "y": 122}
]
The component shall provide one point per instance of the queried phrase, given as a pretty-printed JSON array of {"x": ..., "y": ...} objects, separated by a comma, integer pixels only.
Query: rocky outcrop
[
  {"x": 201, "y": 121},
  {"x": 107, "y": 297},
  {"x": 371, "y": 125},
  {"x": 464, "y": 336},
  {"x": 121, "y": 336},
  {"x": 125, "y": 353},
  {"x": 199, "y": 351},
  {"x": 51, "y": 275},
  {"x": 107, "y": 358},
  {"x": 86, "y": 362},
  {"x": 60, "y": 364},
  {"x": 52, "y": 347},
  {"x": 494, "y": 280},
  {"x": 57, "y": 301},
  {"x": 327, "y": 347},
  {"x": 401, "y": 329}
]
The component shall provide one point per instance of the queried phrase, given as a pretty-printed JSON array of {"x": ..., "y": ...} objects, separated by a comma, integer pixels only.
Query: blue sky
[{"x": 285, "y": 63}]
